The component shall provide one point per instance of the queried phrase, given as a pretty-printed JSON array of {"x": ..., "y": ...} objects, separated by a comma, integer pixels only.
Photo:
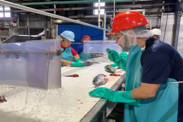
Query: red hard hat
[
  {"x": 128, "y": 19},
  {"x": 86, "y": 36}
]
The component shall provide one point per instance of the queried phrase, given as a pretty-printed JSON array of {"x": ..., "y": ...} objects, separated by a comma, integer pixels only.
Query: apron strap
[{"x": 177, "y": 82}]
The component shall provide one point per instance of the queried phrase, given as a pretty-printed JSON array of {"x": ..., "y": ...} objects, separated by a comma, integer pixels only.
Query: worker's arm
[
  {"x": 76, "y": 57},
  {"x": 145, "y": 91},
  {"x": 65, "y": 62}
]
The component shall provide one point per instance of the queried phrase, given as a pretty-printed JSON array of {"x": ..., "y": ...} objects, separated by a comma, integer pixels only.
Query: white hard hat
[{"x": 156, "y": 32}]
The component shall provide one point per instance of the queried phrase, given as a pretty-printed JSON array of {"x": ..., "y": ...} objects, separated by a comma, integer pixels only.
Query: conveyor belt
[{"x": 67, "y": 104}]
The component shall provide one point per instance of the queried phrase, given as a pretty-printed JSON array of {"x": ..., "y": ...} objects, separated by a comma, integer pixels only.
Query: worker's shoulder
[{"x": 161, "y": 48}]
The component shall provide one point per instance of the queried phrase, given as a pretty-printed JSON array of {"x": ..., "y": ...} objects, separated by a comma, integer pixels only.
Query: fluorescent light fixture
[
  {"x": 7, "y": 14},
  {"x": 1, "y": 14},
  {"x": 1, "y": 8},
  {"x": 6, "y": 8},
  {"x": 101, "y": 4},
  {"x": 95, "y": 11}
]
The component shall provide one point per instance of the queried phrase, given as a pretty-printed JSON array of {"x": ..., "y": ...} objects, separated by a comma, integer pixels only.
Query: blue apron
[
  {"x": 162, "y": 108},
  {"x": 66, "y": 55},
  {"x": 84, "y": 56}
]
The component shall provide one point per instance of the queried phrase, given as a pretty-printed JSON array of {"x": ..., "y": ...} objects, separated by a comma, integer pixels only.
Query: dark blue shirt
[
  {"x": 161, "y": 61},
  {"x": 79, "y": 48}
]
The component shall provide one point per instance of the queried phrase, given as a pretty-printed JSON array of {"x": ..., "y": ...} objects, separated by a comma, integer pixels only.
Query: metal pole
[
  {"x": 54, "y": 8},
  {"x": 106, "y": 7},
  {"x": 14, "y": 5},
  {"x": 98, "y": 13},
  {"x": 150, "y": 22},
  {"x": 114, "y": 9},
  {"x": 176, "y": 29},
  {"x": 104, "y": 31},
  {"x": 161, "y": 19},
  {"x": 28, "y": 25}
]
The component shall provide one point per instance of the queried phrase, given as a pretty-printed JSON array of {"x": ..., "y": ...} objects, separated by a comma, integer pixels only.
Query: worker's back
[{"x": 161, "y": 61}]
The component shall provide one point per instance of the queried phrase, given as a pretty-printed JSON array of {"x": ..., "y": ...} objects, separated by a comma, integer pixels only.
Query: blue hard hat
[{"x": 68, "y": 35}]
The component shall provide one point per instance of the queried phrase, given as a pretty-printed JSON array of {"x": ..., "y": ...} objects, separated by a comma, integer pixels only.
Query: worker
[
  {"x": 154, "y": 91},
  {"x": 69, "y": 55},
  {"x": 111, "y": 36},
  {"x": 80, "y": 49},
  {"x": 156, "y": 33}
]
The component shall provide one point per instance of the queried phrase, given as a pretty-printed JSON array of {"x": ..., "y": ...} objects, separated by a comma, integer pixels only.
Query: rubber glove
[
  {"x": 78, "y": 60},
  {"x": 77, "y": 64},
  {"x": 115, "y": 96},
  {"x": 112, "y": 65},
  {"x": 119, "y": 59}
]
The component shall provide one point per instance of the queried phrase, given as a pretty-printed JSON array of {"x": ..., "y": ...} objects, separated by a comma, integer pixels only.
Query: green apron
[{"x": 162, "y": 108}]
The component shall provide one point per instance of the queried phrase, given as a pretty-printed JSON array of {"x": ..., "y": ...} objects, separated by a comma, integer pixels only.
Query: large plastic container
[{"x": 33, "y": 63}]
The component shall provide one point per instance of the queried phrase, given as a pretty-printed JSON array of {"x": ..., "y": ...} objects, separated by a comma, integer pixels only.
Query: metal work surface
[{"x": 67, "y": 104}]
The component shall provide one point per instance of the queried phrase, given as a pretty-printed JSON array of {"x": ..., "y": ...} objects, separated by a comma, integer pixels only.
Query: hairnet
[
  {"x": 140, "y": 32},
  {"x": 130, "y": 35}
]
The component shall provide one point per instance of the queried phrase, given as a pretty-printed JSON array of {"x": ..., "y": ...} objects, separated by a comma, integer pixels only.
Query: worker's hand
[
  {"x": 113, "y": 55},
  {"x": 112, "y": 65},
  {"x": 119, "y": 59},
  {"x": 77, "y": 64},
  {"x": 115, "y": 96},
  {"x": 102, "y": 92},
  {"x": 78, "y": 60},
  {"x": 123, "y": 61}
]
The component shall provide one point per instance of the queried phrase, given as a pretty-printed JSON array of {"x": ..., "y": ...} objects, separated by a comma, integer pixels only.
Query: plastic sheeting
[
  {"x": 33, "y": 63},
  {"x": 100, "y": 46}
]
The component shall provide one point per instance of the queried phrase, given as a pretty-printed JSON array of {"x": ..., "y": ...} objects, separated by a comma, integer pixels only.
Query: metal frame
[
  {"x": 13, "y": 5},
  {"x": 99, "y": 108}
]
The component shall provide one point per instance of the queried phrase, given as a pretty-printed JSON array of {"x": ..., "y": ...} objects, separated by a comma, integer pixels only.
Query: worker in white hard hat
[
  {"x": 156, "y": 33},
  {"x": 69, "y": 55}
]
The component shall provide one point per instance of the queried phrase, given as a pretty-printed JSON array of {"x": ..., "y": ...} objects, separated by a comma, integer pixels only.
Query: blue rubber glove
[
  {"x": 115, "y": 96},
  {"x": 119, "y": 59},
  {"x": 78, "y": 60},
  {"x": 77, "y": 64}
]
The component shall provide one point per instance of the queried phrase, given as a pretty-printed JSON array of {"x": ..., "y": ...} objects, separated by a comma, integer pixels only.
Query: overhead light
[
  {"x": 1, "y": 14},
  {"x": 1, "y": 8},
  {"x": 7, "y": 14},
  {"x": 101, "y": 11},
  {"x": 101, "y": 4},
  {"x": 6, "y": 8}
]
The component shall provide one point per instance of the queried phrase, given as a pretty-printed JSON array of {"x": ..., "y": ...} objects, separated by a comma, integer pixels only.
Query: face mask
[{"x": 127, "y": 41}]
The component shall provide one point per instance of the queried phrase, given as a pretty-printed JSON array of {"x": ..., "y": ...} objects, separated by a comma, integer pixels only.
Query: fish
[
  {"x": 113, "y": 74},
  {"x": 100, "y": 79},
  {"x": 110, "y": 69},
  {"x": 74, "y": 75},
  {"x": 87, "y": 63}
]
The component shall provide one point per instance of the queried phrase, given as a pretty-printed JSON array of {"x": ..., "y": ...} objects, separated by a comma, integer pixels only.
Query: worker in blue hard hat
[
  {"x": 154, "y": 73},
  {"x": 69, "y": 55}
]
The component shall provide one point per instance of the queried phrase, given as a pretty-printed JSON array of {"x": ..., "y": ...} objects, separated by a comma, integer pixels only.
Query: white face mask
[{"x": 127, "y": 41}]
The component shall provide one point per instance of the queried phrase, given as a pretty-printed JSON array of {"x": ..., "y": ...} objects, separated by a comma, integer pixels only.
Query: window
[
  {"x": 5, "y": 12},
  {"x": 95, "y": 11}
]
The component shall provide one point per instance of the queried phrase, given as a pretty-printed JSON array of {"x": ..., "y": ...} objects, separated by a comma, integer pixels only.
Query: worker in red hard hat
[
  {"x": 80, "y": 49},
  {"x": 154, "y": 71}
]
